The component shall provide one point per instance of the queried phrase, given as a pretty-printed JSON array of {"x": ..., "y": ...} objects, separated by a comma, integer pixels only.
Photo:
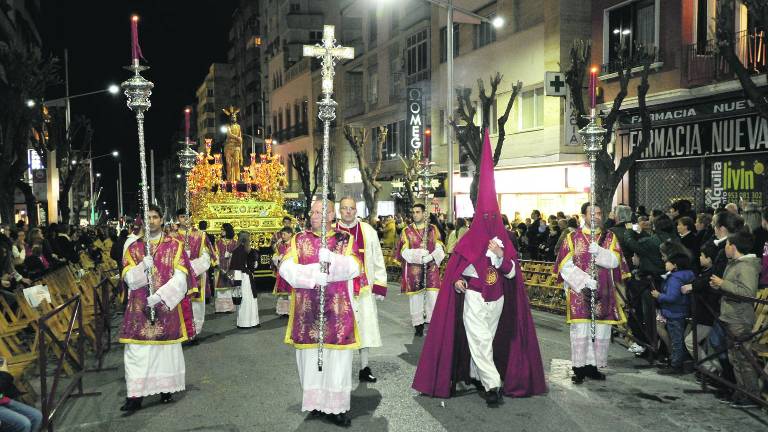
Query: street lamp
[{"x": 111, "y": 89}]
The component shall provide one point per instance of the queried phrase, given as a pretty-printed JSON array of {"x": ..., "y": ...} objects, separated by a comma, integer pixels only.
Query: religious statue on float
[{"x": 233, "y": 146}]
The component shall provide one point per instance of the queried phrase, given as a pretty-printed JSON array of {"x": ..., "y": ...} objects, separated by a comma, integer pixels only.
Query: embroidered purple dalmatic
[
  {"x": 195, "y": 242},
  {"x": 170, "y": 326},
  {"x": 303, "y": 327},
  {"x": 281, "y": 286},
  {"x": 576, "y": 247},
  {"x": 411, "y": 238}
]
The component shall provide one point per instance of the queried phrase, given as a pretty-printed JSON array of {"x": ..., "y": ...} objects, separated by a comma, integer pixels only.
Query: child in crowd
[
  {"x": 737, "y": 317},
  {"x": 705, "y": 305},
  {"x": 674, "y": 304}
]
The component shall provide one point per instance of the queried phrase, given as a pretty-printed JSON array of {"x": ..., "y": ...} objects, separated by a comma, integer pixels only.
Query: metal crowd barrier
[{"x": 49, "y": 403}]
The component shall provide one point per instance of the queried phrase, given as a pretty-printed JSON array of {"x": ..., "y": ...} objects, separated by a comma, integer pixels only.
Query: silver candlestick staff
[
  {"x": 187, "y": 160},
  {"x": 593, "y": 135},
  {"x": 328, "y": 52},
  {"x": 138, "y": 90}
]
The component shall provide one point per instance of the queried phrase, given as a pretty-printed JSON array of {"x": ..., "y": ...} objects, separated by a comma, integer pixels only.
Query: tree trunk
[
  {"x": 6, "y": 206},
  {"x": 371, "y": 197},
  {"x": 64, "y": 210},
  {"x": 30, "y": 201}
]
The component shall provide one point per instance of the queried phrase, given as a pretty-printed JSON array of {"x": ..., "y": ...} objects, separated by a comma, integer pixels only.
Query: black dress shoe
[
  {"x": 493, "y": 396},
  {"x": 593, "y": 373},
  {"x": 579, "y": 373},
  {"x": 131, "y": 404},
  {"x": 419, "y": 330},
  {"x": 166, "y": 398},
  {"x": 315, "y": 413},
  {"x": 342, "y": 419},
  {"x": 365, "y": 375}
]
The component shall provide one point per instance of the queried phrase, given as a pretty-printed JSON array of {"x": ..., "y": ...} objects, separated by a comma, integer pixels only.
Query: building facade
[
  {"x": 245, "y": 59},
  {"x": 213, "y": 95},
  {"x": 707, "y": 144}
]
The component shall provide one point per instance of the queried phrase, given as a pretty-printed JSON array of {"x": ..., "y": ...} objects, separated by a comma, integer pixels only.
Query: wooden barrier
[{"x": 544, "y": 292}]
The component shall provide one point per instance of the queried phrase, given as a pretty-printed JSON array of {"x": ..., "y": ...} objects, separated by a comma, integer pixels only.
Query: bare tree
[
  {"x": 607, "y": 173},
  {"x": 469, "y": 135},
  {"x": 24, "y": 74},
  {"x": 300, "y": 162},
  {"x": 728, "y": 47},
  {"x": 368, "y": 172}
]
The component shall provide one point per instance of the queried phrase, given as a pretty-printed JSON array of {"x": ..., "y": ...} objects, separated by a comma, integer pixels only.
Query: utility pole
[{"x": 120, "y": 189}]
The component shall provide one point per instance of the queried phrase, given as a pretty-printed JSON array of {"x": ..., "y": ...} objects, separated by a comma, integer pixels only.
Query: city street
[{"x": 246, "y": 380}]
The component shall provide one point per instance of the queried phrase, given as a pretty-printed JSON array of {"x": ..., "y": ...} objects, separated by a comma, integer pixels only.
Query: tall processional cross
[{"x": 328, "y": 53}]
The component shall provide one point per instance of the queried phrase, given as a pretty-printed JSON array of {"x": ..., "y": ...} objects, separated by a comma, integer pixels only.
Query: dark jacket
[
  {"x": 619, "y": 231},
  {"x": 691, "y": 242},
  {"x": 674, "y": 304},
  {"x": 705, "y": 236},
  {"x": 706, "y": 300},
  {"x": 647, "y": 248}
]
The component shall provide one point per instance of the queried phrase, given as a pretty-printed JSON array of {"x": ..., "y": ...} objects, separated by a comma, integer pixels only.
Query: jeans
[
  {"x": 676, "y": 330},
  {"x": 17, "y": 417},
  {"x": 717, "y": 340}
]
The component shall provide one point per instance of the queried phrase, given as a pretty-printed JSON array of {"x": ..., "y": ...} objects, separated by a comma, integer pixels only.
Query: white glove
[
  {"x": 591, "y": 284},
  {"x": 426, "y": 258},
  {"x": 422, "y": 252},
  {"x": 378, "y": 297},
  {"x": 324, "y": 254},
  {"x": 153, "y": 300},
  {"x": 321, "y": 278},
  {"x": 227, "y": 254},
  {"x": 594, "y": 248},
  {"x": 148, "y": 263}
]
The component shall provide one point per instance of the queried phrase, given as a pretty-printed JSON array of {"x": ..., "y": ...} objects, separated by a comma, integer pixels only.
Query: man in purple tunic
[
  {"x": 572, "y": 267},
  {"x": 328, "y": 391},
  {"x": 154, "y": 361},
  {"x": 482, "y": 331}
]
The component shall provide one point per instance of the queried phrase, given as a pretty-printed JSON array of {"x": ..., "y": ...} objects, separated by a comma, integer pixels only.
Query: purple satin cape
[{"x": 445, "y": 358}]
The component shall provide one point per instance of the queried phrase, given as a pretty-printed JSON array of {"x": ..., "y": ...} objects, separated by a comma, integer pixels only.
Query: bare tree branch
[{"x": 503, "y": 122}]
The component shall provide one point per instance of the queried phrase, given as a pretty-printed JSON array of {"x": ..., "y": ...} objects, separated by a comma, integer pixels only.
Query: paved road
[{"x": 245, "y": 380}]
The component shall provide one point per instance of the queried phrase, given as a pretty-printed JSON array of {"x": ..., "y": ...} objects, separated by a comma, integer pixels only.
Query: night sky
[{"x": 179, "y": 39}]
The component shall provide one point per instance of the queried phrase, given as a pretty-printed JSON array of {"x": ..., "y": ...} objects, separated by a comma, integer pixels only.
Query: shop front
[
  {"x": 549, "y": 189},
  {"x": 711, "y": 151}
]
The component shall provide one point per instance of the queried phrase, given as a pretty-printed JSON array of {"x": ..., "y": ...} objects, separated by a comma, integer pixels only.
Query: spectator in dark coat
[
  {"x": 64, "y": 245},
  {"x": 622, "y": 216},
  {"x": 704, "y": 229},
  {"x": 686, "y": 229},
  {"x": 536, "y": 233}
]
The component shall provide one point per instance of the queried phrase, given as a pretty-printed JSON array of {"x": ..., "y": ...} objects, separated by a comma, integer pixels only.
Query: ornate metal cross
[{"x": 328, "y": 52}]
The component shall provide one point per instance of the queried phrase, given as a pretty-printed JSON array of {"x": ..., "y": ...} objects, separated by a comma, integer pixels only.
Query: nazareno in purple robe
[{"x": 445, "y": 357}]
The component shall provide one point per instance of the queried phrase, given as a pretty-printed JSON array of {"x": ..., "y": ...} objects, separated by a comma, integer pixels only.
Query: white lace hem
[
  {"x": 327, "y": 401},
  {"x": 156, "y": 385}
]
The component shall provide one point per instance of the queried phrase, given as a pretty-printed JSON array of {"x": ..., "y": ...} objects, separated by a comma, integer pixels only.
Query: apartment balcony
[
  {"x": 704, "y": 64},
  {"x": 304, "y": 21},
  {"x": 295, "y": 131},
  {"x": 634, "y": 60}
]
